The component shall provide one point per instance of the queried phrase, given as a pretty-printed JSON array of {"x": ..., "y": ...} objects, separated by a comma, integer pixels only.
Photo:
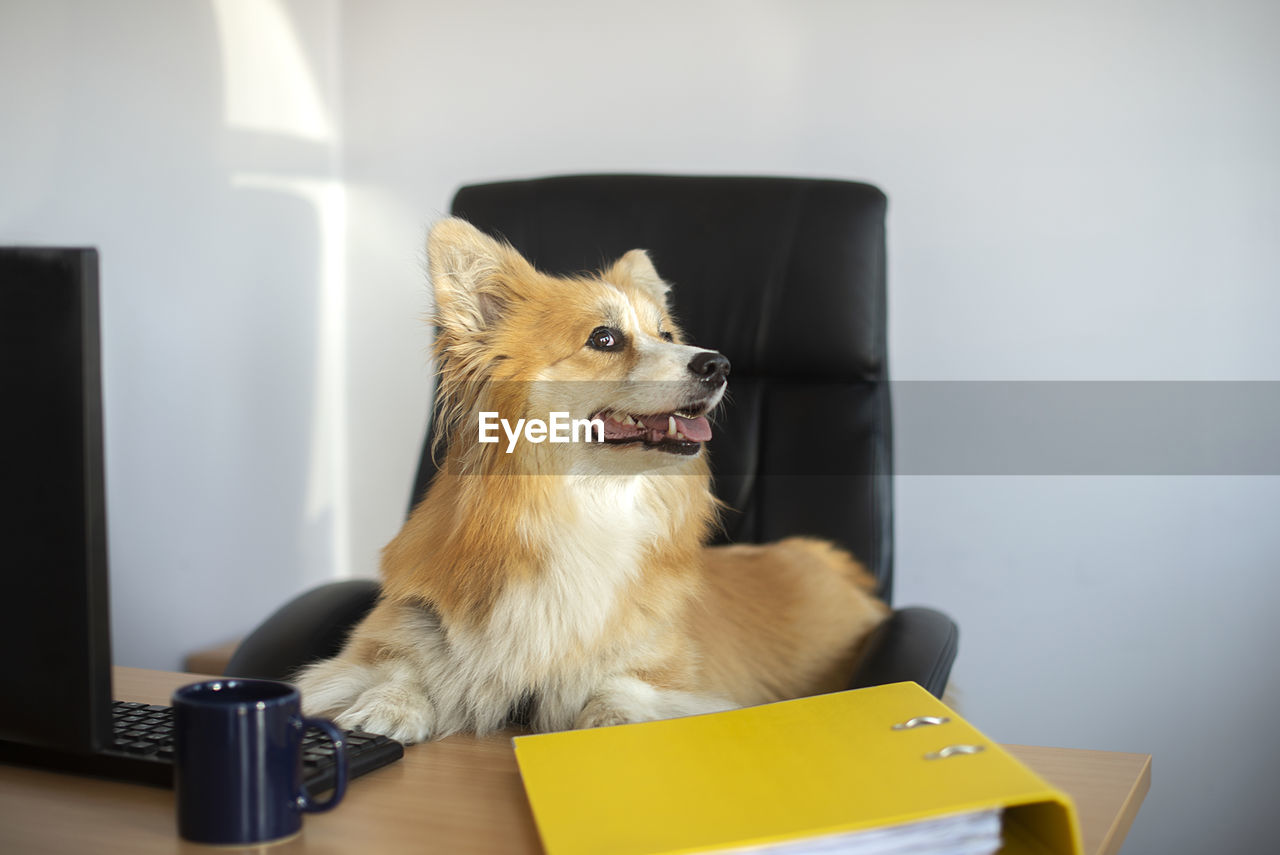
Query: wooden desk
[{"x": 459, "y": 795}]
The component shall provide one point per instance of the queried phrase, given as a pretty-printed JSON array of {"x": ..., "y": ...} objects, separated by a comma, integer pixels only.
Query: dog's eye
[
  {"x": 604, "y": 338},
  {"x": 666, "y": 336}
]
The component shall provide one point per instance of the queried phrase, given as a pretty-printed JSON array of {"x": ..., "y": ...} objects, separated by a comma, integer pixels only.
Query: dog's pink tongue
[{"x": 698, "y": 430}]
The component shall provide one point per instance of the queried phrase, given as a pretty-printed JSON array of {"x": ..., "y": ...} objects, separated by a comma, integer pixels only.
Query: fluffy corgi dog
[{"x": 570, "y": 579}]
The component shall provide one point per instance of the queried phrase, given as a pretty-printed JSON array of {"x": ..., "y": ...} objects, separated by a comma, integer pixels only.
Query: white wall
[
  {"x": 196, "y": 145},
  {"x": 1077, "y": 191}
]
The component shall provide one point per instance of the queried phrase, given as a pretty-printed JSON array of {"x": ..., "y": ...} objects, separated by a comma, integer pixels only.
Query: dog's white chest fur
[
  {"x": 590, "y": 561},
  {"x": 550, "y": 634}
]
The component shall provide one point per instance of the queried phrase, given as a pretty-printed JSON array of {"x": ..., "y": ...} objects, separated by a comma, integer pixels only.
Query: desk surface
[{"x": 459, "y": 795}]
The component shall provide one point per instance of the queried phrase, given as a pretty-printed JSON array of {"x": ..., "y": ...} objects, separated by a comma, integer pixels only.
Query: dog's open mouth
[{"x": 676, "y": 432}]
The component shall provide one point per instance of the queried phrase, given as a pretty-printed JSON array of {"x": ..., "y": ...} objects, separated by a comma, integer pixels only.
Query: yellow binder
[{"x": 831, "y": 764}]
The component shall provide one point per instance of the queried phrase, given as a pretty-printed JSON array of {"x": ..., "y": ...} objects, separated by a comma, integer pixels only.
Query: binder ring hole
[
  {"x": 953, "y": 751},
  {"x": 920, "y": 721}
]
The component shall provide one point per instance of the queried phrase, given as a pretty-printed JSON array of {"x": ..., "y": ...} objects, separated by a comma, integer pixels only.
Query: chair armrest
[
  {"x": 915, "y": 644},
  {"x": 311, "y": 626}
]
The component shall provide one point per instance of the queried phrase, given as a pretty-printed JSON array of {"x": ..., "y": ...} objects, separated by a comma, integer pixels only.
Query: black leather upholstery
[
  {"x": 313, "y": 625},
  {"x": 916, "y": 644},
  {"x": 787, "y": 278}
]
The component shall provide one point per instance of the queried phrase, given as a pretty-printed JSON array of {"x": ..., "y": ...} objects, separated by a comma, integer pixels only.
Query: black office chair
[{"x": 787, "y": 278}]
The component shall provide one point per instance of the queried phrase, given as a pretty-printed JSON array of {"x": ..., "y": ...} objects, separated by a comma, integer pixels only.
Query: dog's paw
[
  {"x": 392, "y": 709},
  {"x": 598, "y": 713},
  {"x": 626, "y": 700},
  {"x": 330, "y": 687}
]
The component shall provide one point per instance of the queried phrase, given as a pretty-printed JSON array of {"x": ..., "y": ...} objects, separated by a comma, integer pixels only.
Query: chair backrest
[{"x": 784, "y": 276}]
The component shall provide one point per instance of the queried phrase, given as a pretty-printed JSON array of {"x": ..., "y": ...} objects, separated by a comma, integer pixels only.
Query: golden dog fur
[{"x": 573, "y": 579}]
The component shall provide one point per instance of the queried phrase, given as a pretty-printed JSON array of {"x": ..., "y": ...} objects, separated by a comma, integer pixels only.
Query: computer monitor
[
  {"x": 55, "y": 644},
  {"x": 56, "y": 706}
]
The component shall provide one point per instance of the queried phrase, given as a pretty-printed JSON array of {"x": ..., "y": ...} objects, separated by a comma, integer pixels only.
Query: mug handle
[{"x": 339, "y": 741}]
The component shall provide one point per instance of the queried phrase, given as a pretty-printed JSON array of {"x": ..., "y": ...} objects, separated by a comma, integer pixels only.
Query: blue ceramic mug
[{"x": 238, "y": 761}]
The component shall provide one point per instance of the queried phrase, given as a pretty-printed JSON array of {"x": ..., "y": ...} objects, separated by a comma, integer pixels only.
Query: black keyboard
[{"x": 144, "y": 736}]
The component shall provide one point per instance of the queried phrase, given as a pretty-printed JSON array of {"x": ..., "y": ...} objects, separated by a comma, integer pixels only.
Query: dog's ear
[
  {"x": 637, "y": 268},
  {"x": 470, "y": 272}
]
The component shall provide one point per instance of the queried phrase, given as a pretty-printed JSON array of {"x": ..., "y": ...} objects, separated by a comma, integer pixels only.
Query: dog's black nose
[{"x": 709, "y": 366}]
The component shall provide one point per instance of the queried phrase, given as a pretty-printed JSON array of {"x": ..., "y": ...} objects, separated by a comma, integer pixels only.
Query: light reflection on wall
[
  {"x": 268, "y": 84},
  {"x": 287, "y": 111}
]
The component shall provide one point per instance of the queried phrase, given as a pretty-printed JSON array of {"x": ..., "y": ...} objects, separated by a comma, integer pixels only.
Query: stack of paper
[{"x": 967, "y": 834}]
